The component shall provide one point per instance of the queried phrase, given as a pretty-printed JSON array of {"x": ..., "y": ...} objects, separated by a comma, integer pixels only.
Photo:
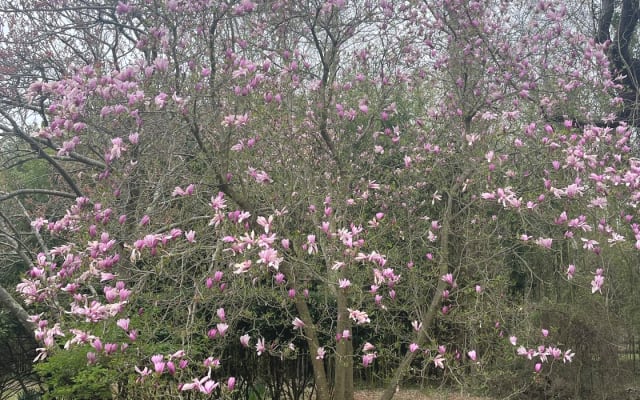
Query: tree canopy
[{"x": 234, "y": 197}]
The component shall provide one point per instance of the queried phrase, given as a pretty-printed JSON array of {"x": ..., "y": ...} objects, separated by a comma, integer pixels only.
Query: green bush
[{"x": 67, "y": 376}]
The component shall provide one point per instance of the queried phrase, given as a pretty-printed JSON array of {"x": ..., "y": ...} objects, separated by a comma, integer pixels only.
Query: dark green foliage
[
  {"x": 30, "y": 394},
  {"x": 67, "y": 376}
]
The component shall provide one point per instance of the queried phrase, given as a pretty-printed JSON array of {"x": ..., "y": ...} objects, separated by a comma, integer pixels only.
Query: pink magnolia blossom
[
  {"x": 188, "y": 191},
  {"x": 222, "y": 328},
  {"x": 260, "y": 347},
  {"x": 123, "y": 324},
  {"x": 360, "y": 317},
  {"x": 171, "y": 368},
  {"x": 241, "y": 268},
  {"x": 320, "y": 353},
  {"x": 265, "y": 223},
  {"x": 571, "y": 270},
  {"x": 597, "y": 282},
  {"x": 279, "y": 278},
  {"x": 344, "y": 283},
  {"x": 312, "y": 246},
  {"x": 298, "y": 323},
  {"x": 568, "y": 356},
  {"x": 544, "y": 242},
  {"x": 438, "y": 361},
  {"x": 367, "y": 359},
  {"x": 97, "y": 344},
  {"x": 448, "y": 278},
  {"x": 142, "y": 372},
  {"x": 158, "y": 363},
  {"x": 368, "y": 347}
]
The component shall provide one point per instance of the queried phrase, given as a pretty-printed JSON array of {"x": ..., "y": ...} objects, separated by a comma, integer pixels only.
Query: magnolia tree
[{"x": 279, "y": 178}]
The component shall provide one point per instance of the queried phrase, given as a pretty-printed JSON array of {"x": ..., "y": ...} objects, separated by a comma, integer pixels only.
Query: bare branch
[{"x": 22, "y": 192}]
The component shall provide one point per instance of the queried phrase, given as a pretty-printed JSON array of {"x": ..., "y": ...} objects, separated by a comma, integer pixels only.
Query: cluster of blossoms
[{"x": 542, "y": 353}]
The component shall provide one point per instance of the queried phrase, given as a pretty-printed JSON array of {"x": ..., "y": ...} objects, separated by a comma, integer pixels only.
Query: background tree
[{"x": 616, "y": 23}]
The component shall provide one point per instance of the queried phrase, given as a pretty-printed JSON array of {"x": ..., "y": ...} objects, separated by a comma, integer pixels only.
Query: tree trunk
[
  {"x": 319, "y": 374},
  {"x": 343, "y": 375},
  {"x": 429, "y": 317},
  {"x": 19, "y": 313}
]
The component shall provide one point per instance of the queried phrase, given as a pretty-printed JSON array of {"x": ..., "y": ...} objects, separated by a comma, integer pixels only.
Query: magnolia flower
[
  {"x": 222, "y": 328},
  {"x": 360, "y": 317},
  {"x": 568, "y": 356},
  {"x": 320, "y": 353},
  {"x": 544, "y": 242},
  {"x": 596, "y": 283},
  {"x": 438, "y": 361},
  {"x": 367, "y": 359},
  {"x": 158, "y": 363},
  {"x": 260, "y": 347},
  {"x": 298, "y": 323},
  {"x": 143, "y": 372},
  {"x": 571, "y": 270},
  {"x": 123, "y": 323},
  {"x": 337, "y": 265},
  {"x": 344, "y": 283},
  {"x": 448, "y": 278},
  {"x": 368, "y": 347}
]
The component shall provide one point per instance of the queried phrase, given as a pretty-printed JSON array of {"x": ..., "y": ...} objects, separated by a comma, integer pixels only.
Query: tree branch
[
  {"x": 21, "y": 192},
  {"x": 42, "y": 154}
]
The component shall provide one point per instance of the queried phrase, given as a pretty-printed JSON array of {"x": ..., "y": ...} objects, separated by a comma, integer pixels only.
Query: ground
[{"x": 415, "y": 395}]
